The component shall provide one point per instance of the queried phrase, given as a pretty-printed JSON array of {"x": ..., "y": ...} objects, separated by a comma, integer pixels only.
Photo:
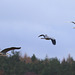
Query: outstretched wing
[
  {"x": 11, "y": 48},
  {"x": 53, "y": 41},
  {"x": 41, "y": 35}
]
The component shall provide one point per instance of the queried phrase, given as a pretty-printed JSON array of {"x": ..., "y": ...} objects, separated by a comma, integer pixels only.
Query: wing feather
[
  {"x": 41, "y": 35},
  {"x": 11, "y": 48},
  {"x": 53, "y": 41}
]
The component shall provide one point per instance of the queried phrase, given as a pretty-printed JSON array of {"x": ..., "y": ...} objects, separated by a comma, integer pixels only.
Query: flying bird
[
  {"x": 48, "y": 38},
  {"x": 73, "y": 22},
  {"x": 4, "y": 51}
]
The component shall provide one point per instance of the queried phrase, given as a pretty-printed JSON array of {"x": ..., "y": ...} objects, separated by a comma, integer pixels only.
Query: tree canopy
[{"x": 18, "y": 65}]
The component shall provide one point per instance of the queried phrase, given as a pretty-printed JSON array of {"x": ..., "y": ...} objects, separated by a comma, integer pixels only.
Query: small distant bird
[
  {"x": 48, "y": 38},
  {"x": 73, "y": 22},
  {"x": 4, "y": 51}
]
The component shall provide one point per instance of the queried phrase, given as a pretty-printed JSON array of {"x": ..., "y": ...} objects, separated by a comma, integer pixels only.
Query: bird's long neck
[{"x": 42, "y": 38}]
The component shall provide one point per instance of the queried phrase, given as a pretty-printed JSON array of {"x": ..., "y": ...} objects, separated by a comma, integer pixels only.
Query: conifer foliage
[{"x": 18, "y": 65}]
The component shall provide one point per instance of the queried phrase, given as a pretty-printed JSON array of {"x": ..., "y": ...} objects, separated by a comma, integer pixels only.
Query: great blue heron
[
  {"x": 4, "y": 51},
  {"x": 48, "y": 38}
]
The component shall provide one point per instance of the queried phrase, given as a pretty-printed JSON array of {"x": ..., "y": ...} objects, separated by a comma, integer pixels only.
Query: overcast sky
[{"x": 22, "y": 21}]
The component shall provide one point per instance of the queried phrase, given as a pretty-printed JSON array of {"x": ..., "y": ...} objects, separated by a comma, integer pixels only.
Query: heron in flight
[
  {"x": 4, "y": 51},
  {"x": 48, "y": 38}
]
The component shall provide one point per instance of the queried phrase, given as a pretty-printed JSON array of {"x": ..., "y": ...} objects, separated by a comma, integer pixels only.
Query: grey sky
[{"x": 21, "y": 21}]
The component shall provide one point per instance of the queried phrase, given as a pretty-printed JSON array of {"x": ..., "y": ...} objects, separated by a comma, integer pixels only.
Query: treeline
[{"x": 18, "y": 65}]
